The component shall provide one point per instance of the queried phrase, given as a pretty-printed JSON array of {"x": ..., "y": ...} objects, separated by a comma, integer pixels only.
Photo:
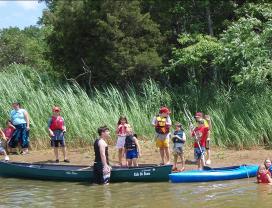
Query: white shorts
[{"x": 120, "y": 142}]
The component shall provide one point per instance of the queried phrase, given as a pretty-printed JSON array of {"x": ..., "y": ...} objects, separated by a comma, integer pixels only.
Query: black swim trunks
[{"x": 99, "y": 176}]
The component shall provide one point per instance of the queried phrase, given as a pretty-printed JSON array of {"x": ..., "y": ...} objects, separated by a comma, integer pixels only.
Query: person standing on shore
[
  {"x": 2, "y": 149},
  {"x": 20, "y": 119},
  {"x": 201, "y": 134},
  {"x": 208, "y": 124},
  {"x": 162, "y": 124},
  {"x": 56, "y": 128},
  {"x": 101, "y": 162},
  {"x": 178, "y": 139},
  {"x": 121, "y": 131}
]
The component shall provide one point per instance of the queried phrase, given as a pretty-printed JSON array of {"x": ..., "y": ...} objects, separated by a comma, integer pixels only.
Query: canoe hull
[
  {"x": 147, "y": 173},
  {"x": 216, "y": 174}
]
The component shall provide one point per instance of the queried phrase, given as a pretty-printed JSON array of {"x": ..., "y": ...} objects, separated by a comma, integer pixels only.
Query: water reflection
[{"x": 239, "y": 193}]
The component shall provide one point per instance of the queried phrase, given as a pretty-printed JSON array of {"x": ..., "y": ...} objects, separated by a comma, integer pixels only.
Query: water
[{"x": 229, "y": 194}]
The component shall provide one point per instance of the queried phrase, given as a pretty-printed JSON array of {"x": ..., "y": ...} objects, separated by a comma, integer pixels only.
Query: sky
[{"x": 14, "y": 13}]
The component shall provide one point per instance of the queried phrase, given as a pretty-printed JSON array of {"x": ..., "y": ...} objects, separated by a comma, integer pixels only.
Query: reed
[{"x": 240, "y": 119}]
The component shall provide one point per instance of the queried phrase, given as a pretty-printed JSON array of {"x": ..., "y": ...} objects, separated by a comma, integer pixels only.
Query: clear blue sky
[{"x": 20, "y": 13}]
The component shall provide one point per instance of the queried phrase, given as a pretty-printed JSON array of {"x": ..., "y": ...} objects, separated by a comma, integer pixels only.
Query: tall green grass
[{"x": 239, "y": 119}]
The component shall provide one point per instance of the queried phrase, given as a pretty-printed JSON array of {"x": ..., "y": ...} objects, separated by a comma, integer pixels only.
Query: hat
[
  {"x": 56, "y": 109},
  {"x": 199, "y": 114},
  {"x": 165, "y": 110}
]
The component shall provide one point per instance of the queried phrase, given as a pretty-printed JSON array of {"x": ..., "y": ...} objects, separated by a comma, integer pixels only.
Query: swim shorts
[
  {"x": 198, "y": 154},
  {"x": 131, "y": 154},
  {"x": 99, "y": 176}
]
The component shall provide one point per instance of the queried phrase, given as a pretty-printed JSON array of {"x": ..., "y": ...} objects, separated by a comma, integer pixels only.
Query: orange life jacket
[{"x": 161, "y": 126}]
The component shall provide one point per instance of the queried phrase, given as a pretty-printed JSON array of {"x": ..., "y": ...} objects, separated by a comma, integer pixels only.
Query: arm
[
  {"x": 138, "y": 146},
  {"x": 184, "y": 137},
  {"x": 11, "y": 125},
  {"x": 154, "y": 121},
  {"x": 269, "y": 178},
  {"x": 102, "y": 145},
  {"x": 51, "y": 133},
  {"x": 168, "y": 121},
  {"x": 64, "y": 127},
  {"x": 27, "y": 120},
  {"x": 3, "y": 135}
]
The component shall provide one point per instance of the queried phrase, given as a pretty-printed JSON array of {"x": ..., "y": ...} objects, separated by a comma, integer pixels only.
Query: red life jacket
[
  {"x": 122, "y": 130},
  {"x": 162, "y": 127},
  {"x": 262, "y": 177},
  {"x": 57, "y": 123}
]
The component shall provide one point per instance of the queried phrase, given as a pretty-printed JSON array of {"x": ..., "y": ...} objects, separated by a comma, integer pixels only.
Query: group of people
[
  {"x": 200, "y": 131},
  {"x": 17, "y": 129},
  {"x": 264, "y": 172},
  {"x": 16, "y": 133},
  {"x": 128, "y": 145}
]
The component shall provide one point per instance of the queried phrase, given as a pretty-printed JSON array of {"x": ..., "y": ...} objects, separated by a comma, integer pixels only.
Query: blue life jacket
[{"x": 177, "y": 140}]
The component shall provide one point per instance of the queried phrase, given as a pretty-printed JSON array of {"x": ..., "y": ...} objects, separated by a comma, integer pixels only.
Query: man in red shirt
[{"x": 201, "y": 134}]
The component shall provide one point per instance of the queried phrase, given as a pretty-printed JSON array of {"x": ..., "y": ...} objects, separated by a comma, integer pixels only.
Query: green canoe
[{"x": 143, "y": 173}]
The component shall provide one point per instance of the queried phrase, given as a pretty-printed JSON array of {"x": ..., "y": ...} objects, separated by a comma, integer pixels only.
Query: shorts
[
  {"x": 178, "y": 150},
  {"x": 197, "y": 152},
  {"x": 20, "y": 136},
  {"x": 120, "y": 142},
  {"x": 208, "y": 144},
  {"x": 57, "y": 143},
  {"x": 162, "y": 143},
  {"x": 58, "y": 135},
  {"x": 131, "y": 154},
  {"x": 99, "y": 176}
]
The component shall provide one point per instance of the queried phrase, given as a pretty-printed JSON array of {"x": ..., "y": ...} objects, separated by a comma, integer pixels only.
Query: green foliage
[
  {"x": 194, "y": 58},
  {"x": 246, "y": 56},
  {"x": 116, "y": 40},
  {"x": 23, "y": 47}
]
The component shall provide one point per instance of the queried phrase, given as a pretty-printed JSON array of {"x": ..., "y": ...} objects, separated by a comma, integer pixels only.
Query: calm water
[{"x": 239, "y": 193}]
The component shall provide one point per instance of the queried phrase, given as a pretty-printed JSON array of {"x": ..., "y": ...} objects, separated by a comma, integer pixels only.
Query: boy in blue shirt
[{"x": 178, "y": 140}]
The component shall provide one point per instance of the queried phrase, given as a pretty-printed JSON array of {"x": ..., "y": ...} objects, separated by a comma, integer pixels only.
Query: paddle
[{"x": 197, "y": 139}]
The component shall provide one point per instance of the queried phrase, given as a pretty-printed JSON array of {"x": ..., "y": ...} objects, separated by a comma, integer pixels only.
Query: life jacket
[
  {"x": 57, "y": 123},
  {"x": 262, "y": 177},
  {"x": 122, "y": 130},
  {"x": 98, "y": 158},
  {"x": 177, "y": 140},
  {"x": 161, "y": 127},
  {"x": 130, "y": 143}
]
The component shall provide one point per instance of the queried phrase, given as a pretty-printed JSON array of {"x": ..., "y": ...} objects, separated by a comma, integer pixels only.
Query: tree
[
  {"x": 114, "y": 39},
  {"x": 25, "y": 46}
]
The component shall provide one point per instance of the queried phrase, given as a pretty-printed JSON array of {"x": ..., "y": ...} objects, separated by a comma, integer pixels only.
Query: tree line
[{"x": 177, "y": 42}]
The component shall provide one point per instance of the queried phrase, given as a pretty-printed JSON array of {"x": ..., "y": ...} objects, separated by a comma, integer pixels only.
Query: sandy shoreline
[{"x": 150, "y": 154}]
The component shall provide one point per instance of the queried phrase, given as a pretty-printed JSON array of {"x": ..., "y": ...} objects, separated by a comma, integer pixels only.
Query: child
[
  {"x": 8, "y": 131},
  {"x": 162, "y": 124},
  {"x": 121, "y": 132},
  {"x": 132, "y": 148},
  {"x": 263, "y": 175},
  {"x": 56, "y": 130},
  {"x": 267, "y": 164},
  {"x": 178, "y": 139},
  {"x": 207, "y": 123},
  {"x": 200, "y": 133},
  {"x": 2, "y": 149}
]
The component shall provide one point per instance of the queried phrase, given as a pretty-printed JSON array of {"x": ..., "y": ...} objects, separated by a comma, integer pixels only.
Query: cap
[
  {"x": 199, "y": 114},
  {"x": 165, "y": 110}
]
